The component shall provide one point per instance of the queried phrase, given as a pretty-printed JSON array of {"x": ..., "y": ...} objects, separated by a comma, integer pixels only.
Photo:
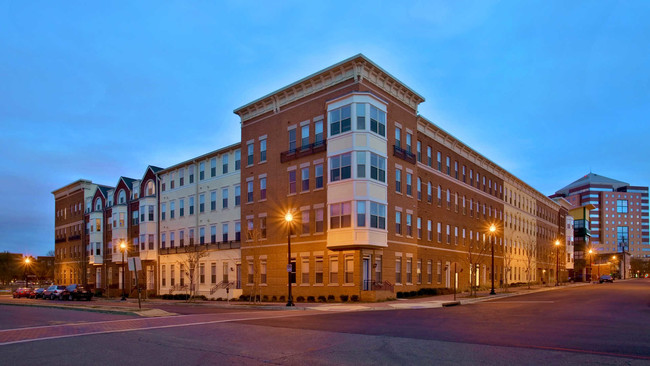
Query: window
[
  {"x": 263, "y": 150},
  {"x": 448, "y": 199},
  {"x": 456, "y": 169},
  {"x": 224, "y": 164},
  {"x": 377, "y": 168},
  {"x": 263, "y": 227},
  {"x": 171, "y": 209},
  {"x": 318, "y": 172},
  {"x": 361, "y": 214},
  {"x": 318, "y": 270},
  {"x": 429, "y": 231},
  {"x": 341, "y": 167},
  {"x": 263, "y": 271},
  {"x": 305, "y": 179},
  {"x": 319, "y": 220},
  {"x": 237, "y": 159},
  {"x": 448, "y": 235},
  {"x": 213, "y": 200},
  {"x": 377, "y": 121},
  {"x": 238, "y": 195},
  {"x": 292, "y": 182},
  {"x": 409, "y": 137},
  {"x": 262, "y": 188},
  {"x": 202, "y": 235},
  {"x": 398, "y": 222},
  {"x": 213, "y": 234},
  {"x": 398, "y": 181},
  {"x": 439, "y": 272},
  {"x": 249, "y": 193},
  {"x": 398, "y": 270},
  {"x": 224, "y": 232},
  {"x": 163, "y": 275},
  {"x": 237, "y": 231},
  {"x": 181, "y": 177},
  {"x": 439, "y": 232},
  {"x": 304, "y": 137},
  {"x": 429, "y": 160},
  {"x": 163, "y": 209},
  {"x": 349, "y": 269},
  {"x": 409, "y": 270},
  {"x": 305, "y": 222},
  {"x": 398, "y": 138},
  {"x": 292, "y": 139},
  {"x": 213, "y": 273},
  {"x": 202, "y": 203},
  {"x": 419, "y": 227},
  {"x": 439, "y": 195},
  {"x": 419, "y": 151},
  {"x": 361, "y": 116},
  {"x": 340, "y": 120},
  {"x": 448, "y": 165},
  {"x": 439, "y": 156},
  {"x": 361, "y": 164},
  {"x": 419, "y": 188},
  {"x": 318, "y": 128},
  {"x": 191, "y": 205},
  {"x": 409, "y": 225},
  {"x": 181, "y": 238},
  {"x": 340, "y": 215},
  {"x": 429, "y": 194},
  {"x": 251, "y": 272},
  {"x": 213, "y": 167},
  {"x": 224, "y": 198},
  {"x": 409, "y": 184},
  {"x": 181, "y": 207},
  {"x": 251, "y": 152},
  {"x": 377, "y": 215},
  {"x": 171, "y": 239},
  {"x": 304, "y": 270},
  {"x": 334, "y": 270},
  {"x": 621, "y": 206}
]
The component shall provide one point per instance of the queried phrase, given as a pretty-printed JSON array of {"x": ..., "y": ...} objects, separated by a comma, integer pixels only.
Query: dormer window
[
  {"x": 121, "y": 197},
  {"x": 151, "y": 188},
  {"x": 98, "y": 205}
]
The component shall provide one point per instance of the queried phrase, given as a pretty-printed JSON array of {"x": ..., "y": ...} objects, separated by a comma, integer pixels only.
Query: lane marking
[
  {"x": 521, "y": 302},
  {"x": 160, "y": 327}
]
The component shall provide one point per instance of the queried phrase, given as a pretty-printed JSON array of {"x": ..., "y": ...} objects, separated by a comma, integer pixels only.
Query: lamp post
[
  {"x": 590, "y": 251},
  {"x": 492, "y": 230},
  {"x": 289, "y": 218},
  {"x": 613, "y": 258},
  {"x": 27, "y": 261},
  {"x": 123, "y": 249},
  {"x": 623, "y": 247},
  {"x": 557, "y": 264}
]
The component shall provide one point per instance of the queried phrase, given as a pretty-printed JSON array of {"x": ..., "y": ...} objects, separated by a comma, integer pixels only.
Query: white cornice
[{"x": 357, "y": 68}]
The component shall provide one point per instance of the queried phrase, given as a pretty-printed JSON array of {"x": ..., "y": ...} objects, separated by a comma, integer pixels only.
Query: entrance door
[{"x": 366, "y": 273}]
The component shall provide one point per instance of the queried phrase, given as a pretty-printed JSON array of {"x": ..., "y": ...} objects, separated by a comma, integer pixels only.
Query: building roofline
[
  {"x": 78, "y": 181},
  {"x": 195, "y": 159}
]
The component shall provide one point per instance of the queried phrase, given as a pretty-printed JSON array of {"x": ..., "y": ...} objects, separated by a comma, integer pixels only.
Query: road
[{"x": 605, "y": 324}]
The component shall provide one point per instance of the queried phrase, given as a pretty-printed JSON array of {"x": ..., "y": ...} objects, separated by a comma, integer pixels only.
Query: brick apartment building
[{"x": 384, "y": 200}]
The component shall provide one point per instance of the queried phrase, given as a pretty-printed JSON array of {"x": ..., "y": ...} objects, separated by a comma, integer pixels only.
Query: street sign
[
  {"x": 135, "y": 264},
  {"x": 289, "y": 268}
]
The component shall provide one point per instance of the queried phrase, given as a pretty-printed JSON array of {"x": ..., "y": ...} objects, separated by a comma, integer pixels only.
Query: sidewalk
[{"x": 150, "y": 308}]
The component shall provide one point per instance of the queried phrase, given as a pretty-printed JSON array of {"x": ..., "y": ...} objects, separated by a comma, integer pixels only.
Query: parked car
[
  {"x": 54, "y": 292},
  {"x": 606, "y": 278},
  {"x": 76, "y": 292},
  {"x": 22, "y": 292},
  {"x": 37, "y": 293}
]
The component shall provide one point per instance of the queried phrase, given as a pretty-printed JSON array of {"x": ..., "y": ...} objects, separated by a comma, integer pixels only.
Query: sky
[{"x": 548, "y": 90}]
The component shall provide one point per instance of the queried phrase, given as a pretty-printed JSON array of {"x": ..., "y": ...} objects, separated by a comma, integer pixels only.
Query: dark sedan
[
  {"x": 37, "y": 294},
  {"x": 606, "y": 278},
  {"x": 76, "y": 292}
]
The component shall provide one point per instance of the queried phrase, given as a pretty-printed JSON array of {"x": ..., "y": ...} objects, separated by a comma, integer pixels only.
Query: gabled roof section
[
  {"x": 590, "y": 180},
  {"x": 154, "y": 169},
  {"x": 197, "y": 159},
  {"x": 357, "y": 67},
  {"x": 128, "y": 182},
  {"x": 104, "y": 190}
]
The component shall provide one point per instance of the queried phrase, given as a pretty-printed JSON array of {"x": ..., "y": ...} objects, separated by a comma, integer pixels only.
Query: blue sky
[{"x": 549, "y": 90}]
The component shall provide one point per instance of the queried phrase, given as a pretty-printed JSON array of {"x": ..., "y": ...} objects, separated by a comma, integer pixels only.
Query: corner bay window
[
  {"x": 340, "y": 167},
  {"x": 340, "y": 215},
  {"x": 340, "y": 119}
]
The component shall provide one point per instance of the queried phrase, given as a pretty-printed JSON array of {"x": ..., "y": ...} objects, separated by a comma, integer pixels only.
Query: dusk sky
[{"x": 548, "y": 90}]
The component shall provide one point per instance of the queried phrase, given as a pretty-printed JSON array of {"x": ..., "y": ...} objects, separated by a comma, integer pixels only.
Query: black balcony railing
[
  {"x": 403, "y": 154},
  {"x": 212, "y": 246},
  {"x": 306, "y": 150}
]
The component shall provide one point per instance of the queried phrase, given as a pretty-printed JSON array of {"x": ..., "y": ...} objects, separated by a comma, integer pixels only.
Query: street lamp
[
  {"x": 590, "y": 252},
  {"x": 557, "y": 264},
  {"x": 493, "y": 229},
  {"x": 623, "y": 248},
  {"x": 123, "y": 249},
  {"x": 27, "y": 261},
  {"x": 288, "y": 218}
]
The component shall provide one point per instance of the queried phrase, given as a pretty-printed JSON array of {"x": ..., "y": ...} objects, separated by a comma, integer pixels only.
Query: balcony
[
  {"x": 303, "y": 151},
  {"x": 403, "y": 154},
  {"x": 209, "y": 247},
  {"x": 96, "y": 259}
]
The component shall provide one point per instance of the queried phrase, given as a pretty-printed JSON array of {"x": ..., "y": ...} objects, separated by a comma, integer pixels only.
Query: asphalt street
[{"x": 596, "y": 324}]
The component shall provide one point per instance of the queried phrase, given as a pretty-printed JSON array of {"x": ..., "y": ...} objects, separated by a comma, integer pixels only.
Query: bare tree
[
  {"x": 529, "y": 261},
  {"x": 475, "y": 256},
  {"x": 189, "y": 262},
  {"x": 256, "y": 293},
  {"x": 507, "y": 261}
]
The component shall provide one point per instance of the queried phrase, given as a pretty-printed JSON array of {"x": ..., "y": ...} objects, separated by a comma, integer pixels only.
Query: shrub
[
  {"x": 344, "y": 298},
  {"x": 400, "y": 294},
  {"x": 300, "y": 299},
  {"x": 322, "y": 299},
  {"x": 354, "y": 298},
  {"x": 265, "y": 298},
  {"x": 281, "y": 299},
  {"x": 311, "y": 299},
  {"x": 274, "y": 299},
  {"x": 330, "y": 297},
  {"x": 413, "y": 293}
]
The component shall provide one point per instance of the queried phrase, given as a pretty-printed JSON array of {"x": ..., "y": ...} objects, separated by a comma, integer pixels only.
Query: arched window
[
  {"x": 151, "y": 188},
  {"x": 98, "y": 204},
  {"x": 121, "y": 197}
]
